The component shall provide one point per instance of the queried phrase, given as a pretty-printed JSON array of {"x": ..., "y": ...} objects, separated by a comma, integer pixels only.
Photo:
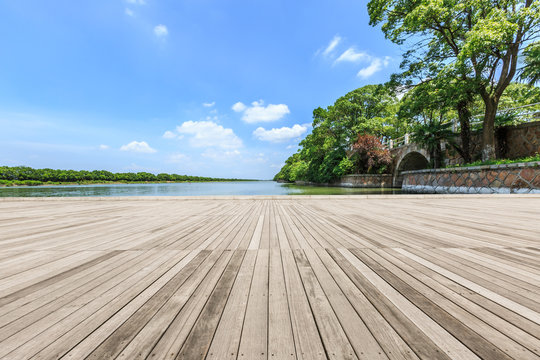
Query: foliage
[
  {"x": 531, "y": 71},
  {"x": 23, "y": 175},
  {"x": 533, "y": 158},
  {"x": 345, "y": 166},
  {"x": 370, "y": 109},
  {"x": 475, "y": 41},
  {"x": 430, "y": 135},
  {"x": 369, "y": 156}
]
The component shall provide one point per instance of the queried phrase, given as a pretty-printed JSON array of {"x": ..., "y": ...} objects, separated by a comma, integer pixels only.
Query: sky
[{"x": 222, "y": 88}]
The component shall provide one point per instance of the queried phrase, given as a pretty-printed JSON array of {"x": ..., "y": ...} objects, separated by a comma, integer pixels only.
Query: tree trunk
[
  {"x": 488, "y": 131},
  {"x": 464, "y": 116}
]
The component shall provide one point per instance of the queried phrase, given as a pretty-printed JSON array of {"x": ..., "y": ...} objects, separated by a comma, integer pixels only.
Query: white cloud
[
  {"x": 257, "y": 112},
  {"x": 281, "y": 134},
  {"x": 209, "y": 104},
  {"x": 161, "y": 30},
  {"x": 351, "y": 55},
  {"x": 332, "y": 45},
  {"x": 239, "y": 107},
  {"x": 103, "y": 147},
  {"x": 136, "y": 2},
  {"x": 129, "y": 12},
  {"x": 169, "y": 135},
  {"x": 136, "y": 146},
  {"x": 209, "y": 134},
  {"x": 375, "y": 66}
]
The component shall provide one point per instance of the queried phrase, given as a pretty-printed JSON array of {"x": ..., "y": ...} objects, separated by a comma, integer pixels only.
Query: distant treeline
[{"x": 30, "y": 176}]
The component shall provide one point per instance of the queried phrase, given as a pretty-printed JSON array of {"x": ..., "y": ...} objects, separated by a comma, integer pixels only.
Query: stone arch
[
  {"x": 410, "y": 158},
  {"x": 413, "y": 160}
]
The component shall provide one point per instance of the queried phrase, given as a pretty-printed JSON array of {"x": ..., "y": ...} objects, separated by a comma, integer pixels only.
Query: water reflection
[{"x": 185, "y": 189}]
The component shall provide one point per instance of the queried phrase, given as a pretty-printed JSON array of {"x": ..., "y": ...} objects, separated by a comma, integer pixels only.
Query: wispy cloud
[
  {"x": 161, "y": 31},
  {"x": 210, "y": 104},
  {"x": 351, "y": 55},
  {"x": 129, "y": 12},
  {"x": 280, "y": 134},
  {"x": 136, "y": 2},
  {"x": 332, "y": 45},
  {"x": 257, "y": 112},
  {"x": 103, "y": 147},
  {"x": 138, "y": 146},
  {"x": 209, "y": 134},
  {"x": 376, "y": 65}
]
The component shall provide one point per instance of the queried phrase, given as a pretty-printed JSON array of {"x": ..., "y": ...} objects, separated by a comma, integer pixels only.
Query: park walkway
[{"x": 283, "y": 278}]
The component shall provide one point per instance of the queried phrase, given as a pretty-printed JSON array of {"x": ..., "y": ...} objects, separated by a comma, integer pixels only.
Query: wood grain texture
[{"x": 401, "y": 277}]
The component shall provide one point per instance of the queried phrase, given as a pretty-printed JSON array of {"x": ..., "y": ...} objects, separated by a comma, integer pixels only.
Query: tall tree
[{"x": 477, "y": 40}]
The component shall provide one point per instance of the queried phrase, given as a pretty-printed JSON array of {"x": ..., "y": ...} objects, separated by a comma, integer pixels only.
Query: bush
[{"x": 369, "y": 155}]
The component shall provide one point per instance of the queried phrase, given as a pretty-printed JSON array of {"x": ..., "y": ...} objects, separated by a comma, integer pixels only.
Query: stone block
[
  {"x": 459, "y": 181},
  {"x": 496, "y": 183},
  {"x": 528, "y": 174},
  {"x": 520, "y": 184},
  {"x": 492, "y": 175}
]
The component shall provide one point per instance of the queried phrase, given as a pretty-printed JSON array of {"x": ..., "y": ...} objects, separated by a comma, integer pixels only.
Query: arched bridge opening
[{"x": 414, "y": 160}]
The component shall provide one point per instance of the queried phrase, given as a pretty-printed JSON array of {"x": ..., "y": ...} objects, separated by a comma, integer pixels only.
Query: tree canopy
[{"x": 476, "y": 42}]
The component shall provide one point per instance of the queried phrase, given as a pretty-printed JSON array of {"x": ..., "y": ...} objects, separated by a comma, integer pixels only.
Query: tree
[
  {"x": 477, "y": 40},
  {"x": 531, "y": 71},
  {"x": 369, "y": 109},
  {"x": 430, "y": 135},
  {"x": 369, "y": 156}
]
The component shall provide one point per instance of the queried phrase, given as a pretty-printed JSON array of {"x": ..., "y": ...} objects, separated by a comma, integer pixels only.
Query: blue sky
[{"x": 200, "y": 87}]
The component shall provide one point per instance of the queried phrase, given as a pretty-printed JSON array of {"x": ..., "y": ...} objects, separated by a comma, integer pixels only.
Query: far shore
[{"x": 38, "y": 183}]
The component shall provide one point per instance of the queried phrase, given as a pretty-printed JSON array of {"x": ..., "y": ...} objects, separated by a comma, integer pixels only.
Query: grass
[{"x": 533, "y": 158}]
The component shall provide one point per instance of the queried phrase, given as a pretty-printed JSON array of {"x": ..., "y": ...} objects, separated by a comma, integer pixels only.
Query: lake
[{"x": 185, "y": 189}]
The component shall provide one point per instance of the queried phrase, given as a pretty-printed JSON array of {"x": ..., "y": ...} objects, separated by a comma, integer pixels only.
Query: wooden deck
[{"x": 310, "y": 278}]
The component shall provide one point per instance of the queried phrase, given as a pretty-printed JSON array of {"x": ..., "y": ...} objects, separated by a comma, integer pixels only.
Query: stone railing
[{"x": 503, "y": 179}]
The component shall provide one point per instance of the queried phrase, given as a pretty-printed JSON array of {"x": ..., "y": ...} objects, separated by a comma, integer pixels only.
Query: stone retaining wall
[
  {"x": 365, "y": 181},
  {"x": 511, "y": 142},
  {"x": 503, "y": 179}
]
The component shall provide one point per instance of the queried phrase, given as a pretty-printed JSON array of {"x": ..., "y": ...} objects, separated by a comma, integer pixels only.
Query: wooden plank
[
  {"x": 306, "y": 335},
  {"x": 397, "y": 278},
  {"x": 199, "y": 339},
  {"x": 124, "y": 334},
  {"x": 335, "y": 340},
  {"x": 449, "y": 321},
  {"x": 280, "y": 336},
  {"x": 226, "y": 340},
  {"x": 254, "y": 339},
  {"x": 359, "y": 336}
]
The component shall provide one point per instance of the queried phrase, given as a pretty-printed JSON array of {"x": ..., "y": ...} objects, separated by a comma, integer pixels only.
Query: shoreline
[
  {"x": 273, "y": 197},
  {"x": 116, "y": 183}
]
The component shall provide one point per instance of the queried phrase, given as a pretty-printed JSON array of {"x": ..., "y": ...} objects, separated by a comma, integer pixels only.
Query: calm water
[{"x": 186, "y": 189}]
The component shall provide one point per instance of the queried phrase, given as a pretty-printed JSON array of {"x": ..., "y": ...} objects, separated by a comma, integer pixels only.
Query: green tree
[
  {"x": 531, "y": 70},
  {"x": 477, "y": 40},
  {"x": 369, "y": 109},
  {"x": 430, "y": 135}
]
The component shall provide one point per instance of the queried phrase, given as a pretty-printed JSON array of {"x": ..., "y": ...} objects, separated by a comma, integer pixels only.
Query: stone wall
[
  {"x": 511, "y": 142},
  {"x": 490, "y": 179},
  {"x": 365, "y": 181}
]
